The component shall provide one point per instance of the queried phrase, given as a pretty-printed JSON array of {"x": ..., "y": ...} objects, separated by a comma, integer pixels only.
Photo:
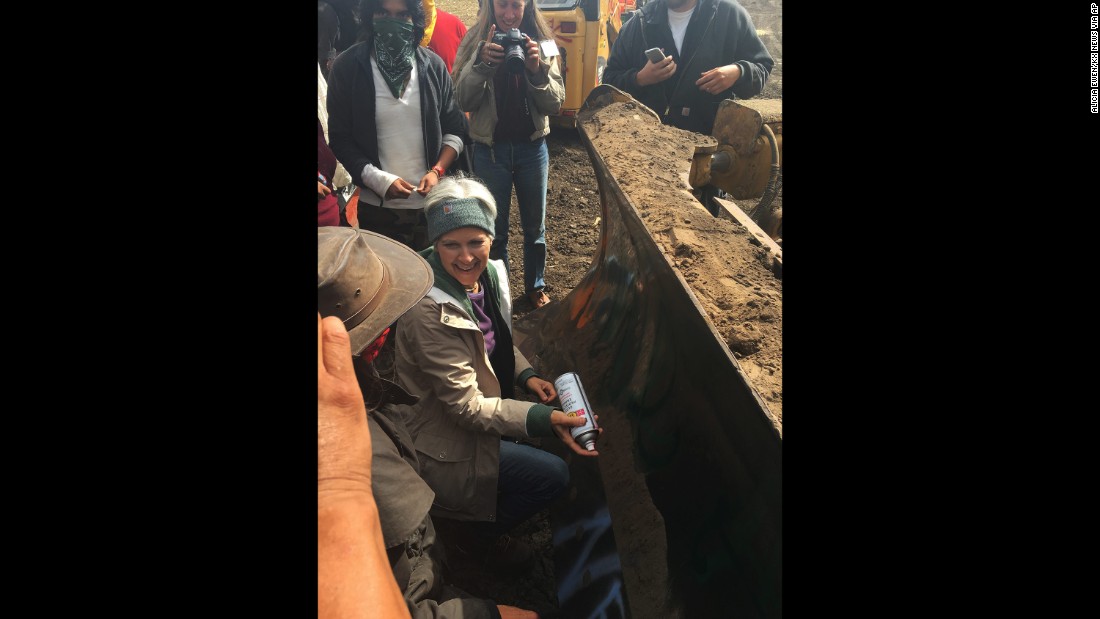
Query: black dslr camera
[{"x": 515, "y": 53}]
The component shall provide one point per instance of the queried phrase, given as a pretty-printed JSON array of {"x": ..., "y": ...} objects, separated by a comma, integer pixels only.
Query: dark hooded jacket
[{"x": 719, "y": 33}]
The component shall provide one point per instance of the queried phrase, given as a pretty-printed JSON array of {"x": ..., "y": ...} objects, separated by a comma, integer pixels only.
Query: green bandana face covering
[{"x": 394, "y": 48}]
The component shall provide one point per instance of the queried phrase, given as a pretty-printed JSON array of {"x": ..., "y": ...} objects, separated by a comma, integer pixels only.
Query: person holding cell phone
[{"x": 681, "y": 58}]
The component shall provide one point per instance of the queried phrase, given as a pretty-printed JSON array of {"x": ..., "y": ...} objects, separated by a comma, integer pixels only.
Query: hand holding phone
[{"x": 658, "y": 69}]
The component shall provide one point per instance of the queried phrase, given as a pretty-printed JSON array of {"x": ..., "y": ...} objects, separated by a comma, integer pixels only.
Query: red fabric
[
  {"x": 328, "y": 211},
  {"x": 448, "y": 33},
  {"x": 351, "y": 211},
  {"x": 370, "y": 353}
]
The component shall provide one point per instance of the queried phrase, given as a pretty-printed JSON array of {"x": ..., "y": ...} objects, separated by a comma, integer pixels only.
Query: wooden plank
[{"x": 730, "y": 210}]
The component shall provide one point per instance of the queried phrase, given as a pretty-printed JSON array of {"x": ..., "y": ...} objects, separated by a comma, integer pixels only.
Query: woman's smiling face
[
  {"x": 509, "y": 14},
  {"x": 464, "y": 253}
]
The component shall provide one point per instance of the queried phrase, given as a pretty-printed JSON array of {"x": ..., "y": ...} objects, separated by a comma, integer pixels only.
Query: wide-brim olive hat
[{"x": 367, "y": 280}]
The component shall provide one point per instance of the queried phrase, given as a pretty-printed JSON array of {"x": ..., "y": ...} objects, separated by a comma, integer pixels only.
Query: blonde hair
[{"x": 533, "y": 25}]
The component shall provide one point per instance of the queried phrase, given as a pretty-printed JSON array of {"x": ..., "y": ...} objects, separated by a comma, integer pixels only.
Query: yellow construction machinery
[
  {"x": 747, "y": 163},
  {"x": 584, "y": 30}
]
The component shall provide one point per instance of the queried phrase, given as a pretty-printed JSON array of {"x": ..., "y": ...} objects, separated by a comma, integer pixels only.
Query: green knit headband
[{"x": 458, "y": 213}]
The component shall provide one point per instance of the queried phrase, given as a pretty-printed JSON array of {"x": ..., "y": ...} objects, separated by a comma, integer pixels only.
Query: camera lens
[{"x": 514, "y": 58}]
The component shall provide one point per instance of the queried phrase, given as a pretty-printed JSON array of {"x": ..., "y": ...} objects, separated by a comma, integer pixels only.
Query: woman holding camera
[{"x": 510, "y": 84}]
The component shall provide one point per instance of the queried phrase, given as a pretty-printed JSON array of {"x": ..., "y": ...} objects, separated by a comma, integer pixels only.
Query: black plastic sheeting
[{"x": 681, "y": 513}]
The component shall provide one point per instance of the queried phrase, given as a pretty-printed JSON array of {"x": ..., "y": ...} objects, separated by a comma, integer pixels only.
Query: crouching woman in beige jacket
[{"x": 455, "y": 351}]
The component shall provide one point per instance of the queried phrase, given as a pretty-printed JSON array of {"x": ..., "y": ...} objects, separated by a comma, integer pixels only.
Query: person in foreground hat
[
  {"x": 454, "y": 350},
  {"x": 365, "y": 281}
]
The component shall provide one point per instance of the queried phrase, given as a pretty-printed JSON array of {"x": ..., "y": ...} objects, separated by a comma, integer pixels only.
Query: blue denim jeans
[
  {"x": 525, "y": 165},
  {"x": 530, "y": 479}
]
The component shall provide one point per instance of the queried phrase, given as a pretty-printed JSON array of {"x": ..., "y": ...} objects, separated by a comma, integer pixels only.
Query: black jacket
[
  {"x": 352, "y": 129},
  {"x": 720, "y": 32}
]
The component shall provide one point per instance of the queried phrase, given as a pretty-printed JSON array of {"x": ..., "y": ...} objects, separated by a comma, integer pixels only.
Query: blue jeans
[
  {"x": 526, "y": 165},
  {"x": 530, "y": 479}
]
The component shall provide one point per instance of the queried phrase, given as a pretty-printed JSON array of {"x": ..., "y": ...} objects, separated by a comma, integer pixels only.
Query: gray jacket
[
  {"x": 461, "y": 416},
  {"x": 476, "y": 94},
  {"x": 415, "y": 554}
]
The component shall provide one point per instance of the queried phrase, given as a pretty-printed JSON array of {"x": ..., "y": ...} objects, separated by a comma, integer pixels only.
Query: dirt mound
[{"x": 726, "y": 267}]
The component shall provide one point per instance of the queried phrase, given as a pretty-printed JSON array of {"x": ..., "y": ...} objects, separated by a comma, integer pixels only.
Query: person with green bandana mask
[{"x": 393, "y": 120}]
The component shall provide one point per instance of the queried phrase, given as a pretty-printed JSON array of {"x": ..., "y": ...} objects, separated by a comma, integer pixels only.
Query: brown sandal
[{"x": 538, "y": 298}]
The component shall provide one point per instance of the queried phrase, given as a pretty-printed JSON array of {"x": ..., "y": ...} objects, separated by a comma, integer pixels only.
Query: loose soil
[{"x": 726, "y": 272}]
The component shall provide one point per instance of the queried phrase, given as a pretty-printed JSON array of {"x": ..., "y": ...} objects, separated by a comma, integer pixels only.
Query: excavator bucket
[{"x": 680, "y": 514}]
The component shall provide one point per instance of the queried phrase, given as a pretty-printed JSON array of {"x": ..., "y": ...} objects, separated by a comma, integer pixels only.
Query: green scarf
[{"x": 394, "y": 48}]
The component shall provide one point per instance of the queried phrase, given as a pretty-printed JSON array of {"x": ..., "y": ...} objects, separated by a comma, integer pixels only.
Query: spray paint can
[{"x": 574, "y": 403}]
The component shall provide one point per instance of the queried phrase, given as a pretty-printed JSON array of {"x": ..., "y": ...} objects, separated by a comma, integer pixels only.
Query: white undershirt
[
  {"x": 678, "y": 23},
  {"x": 400, "y": 140}
]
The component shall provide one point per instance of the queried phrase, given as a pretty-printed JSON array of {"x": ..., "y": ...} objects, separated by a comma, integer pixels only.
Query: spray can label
[{"x": 574, "y": 402}]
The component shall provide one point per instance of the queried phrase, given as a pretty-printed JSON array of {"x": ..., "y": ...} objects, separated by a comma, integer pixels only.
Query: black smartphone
[{"x": 655, "y": 54}]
